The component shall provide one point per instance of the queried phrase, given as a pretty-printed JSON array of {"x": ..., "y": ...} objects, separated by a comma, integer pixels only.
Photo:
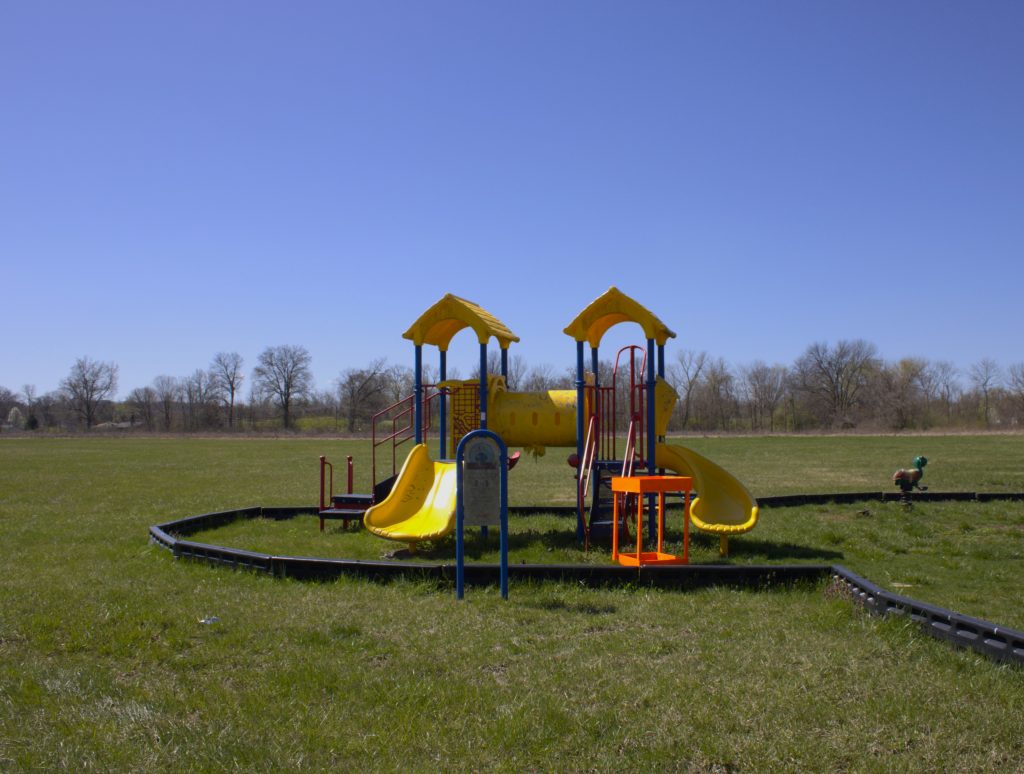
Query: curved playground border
[{"x": 997, "y": 642}]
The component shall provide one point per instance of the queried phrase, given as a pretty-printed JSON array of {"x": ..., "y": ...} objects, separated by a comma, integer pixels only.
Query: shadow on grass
[
  {"x": 587, "y": 608},
  {"x": 552, "y": 540},
  {"x": 772, "y": 551},
  {"x": 564, "y": 541}
]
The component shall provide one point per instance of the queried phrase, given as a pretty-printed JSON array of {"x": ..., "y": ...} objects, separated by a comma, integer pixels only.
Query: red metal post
[
  {"x": 324, "y": 465},
  {"x": 323, "y": 459}
]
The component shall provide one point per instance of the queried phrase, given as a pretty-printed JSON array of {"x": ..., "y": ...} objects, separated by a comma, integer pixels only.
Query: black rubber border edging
[
  {"x": 172, "y": 534},
  {"x": 996, "y": 642}
]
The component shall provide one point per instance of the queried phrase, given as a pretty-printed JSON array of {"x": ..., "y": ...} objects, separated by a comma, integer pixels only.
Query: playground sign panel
[
  {"x": 481, "y": 481},
  {"x": 481, "y": 464}
]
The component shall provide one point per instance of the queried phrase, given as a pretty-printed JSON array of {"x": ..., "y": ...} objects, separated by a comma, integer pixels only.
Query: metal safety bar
[{"x": 402, "y": 418}]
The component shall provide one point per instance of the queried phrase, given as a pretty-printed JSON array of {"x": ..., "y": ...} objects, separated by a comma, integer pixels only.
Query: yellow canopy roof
[
  {"x": 611, "y": 308},
  {"x": 450, "y": 315}
]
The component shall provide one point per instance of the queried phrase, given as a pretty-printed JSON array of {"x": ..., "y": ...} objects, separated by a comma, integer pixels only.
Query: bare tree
[
  {"x": 29, "y": 391},
  {"x": 685, "y": 374},
  {"x": 359, "y": 389},
  {"x": 717, "y": 394},
  {"x": 8, "y": 400},
  {"x": 947, "y": 385},
  {"x": 517, "y": 368},
  {"x": 259, "y": 403},
  {"x": 900, "y": 397},
  {"x": 1016, "y": 386},
  {"x": 284, "y": 373},
  {"x": 541, "y": 378},
  {"x": 226, "y": 370},
  {"x": 832, "y": 378},
  {"x": 168, "y": 394},
  {"x": 399, "y": 379},
  {"x": 143, "y": 402},
  {"x": 765, "y": 387},
  {"x": 985, "y": 375},
  {"x": 200, "y": 404},
  {"x": 89, "y": 383}
]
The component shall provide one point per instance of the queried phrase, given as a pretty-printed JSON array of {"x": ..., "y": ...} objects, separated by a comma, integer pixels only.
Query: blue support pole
[
  {"x": 594, "y": 365},
  {"x": 580, "y": 405},
  {"x": 652, "y": 507},
  {"x": 443, "y": 410},
  {"x": 417, "y": 417},
  {"x": 483, "y": 386},
  {"x": 483, "y": 403},
  {"x": 504, "y": 364}
]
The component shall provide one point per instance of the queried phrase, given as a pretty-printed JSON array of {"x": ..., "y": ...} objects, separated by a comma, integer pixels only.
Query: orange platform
[{"x": 649, "y": 485}]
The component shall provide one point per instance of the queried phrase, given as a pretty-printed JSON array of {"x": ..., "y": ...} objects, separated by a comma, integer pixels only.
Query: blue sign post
[{"x": 481, "y": 475}]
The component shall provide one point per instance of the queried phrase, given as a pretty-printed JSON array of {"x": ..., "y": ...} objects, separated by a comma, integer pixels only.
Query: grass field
[{"x": 105, "y": 664}]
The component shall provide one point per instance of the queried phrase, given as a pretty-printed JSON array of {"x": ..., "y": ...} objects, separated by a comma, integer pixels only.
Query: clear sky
[{"x": 178, "y": 179}]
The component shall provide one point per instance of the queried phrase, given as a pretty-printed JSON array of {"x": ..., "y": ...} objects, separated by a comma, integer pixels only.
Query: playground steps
[
  {"x": 342, "y": 513},
  {"x": 347, "y": 507},
  {"x": 356, "y": 501},
  {"x": 351, "y": 506},
  {"x": 603, "y": 501}
]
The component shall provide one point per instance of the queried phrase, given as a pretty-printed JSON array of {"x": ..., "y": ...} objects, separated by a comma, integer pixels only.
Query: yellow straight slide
[
  {"x": 421, "y": 505},
  {"x": 723, "y": 506}
]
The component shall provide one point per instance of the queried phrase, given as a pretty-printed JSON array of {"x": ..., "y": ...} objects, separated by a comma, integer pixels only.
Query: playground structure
[{"x": 418, "y": 501}]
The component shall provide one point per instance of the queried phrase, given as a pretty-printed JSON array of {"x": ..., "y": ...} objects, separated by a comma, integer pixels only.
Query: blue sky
[{"x": 179, "y": 179}]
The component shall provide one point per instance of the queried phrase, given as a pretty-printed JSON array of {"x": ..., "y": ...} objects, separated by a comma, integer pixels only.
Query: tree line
[{"x": 844, "y": 386}]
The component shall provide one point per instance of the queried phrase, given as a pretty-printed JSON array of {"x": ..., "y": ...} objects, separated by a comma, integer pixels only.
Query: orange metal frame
[{"x": 644, "y": 485}]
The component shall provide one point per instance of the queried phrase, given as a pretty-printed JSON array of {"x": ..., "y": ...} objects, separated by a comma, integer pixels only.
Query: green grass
[
  {"x": 963, "y": 556},
  {"x": 104, "y": 663}
]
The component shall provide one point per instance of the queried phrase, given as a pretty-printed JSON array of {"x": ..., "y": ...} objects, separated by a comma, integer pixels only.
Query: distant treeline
[{"x": 829, "y": 387}]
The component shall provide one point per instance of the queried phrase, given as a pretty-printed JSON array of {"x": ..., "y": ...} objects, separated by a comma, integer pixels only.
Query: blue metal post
[
  {"x": 443, "y": 409},
  {"x": 504, "y": 364},
  {"x": 483, "y": 386},
  {"x": 483, "y": 404},
  {"x": 418, "y": 393},
  {"x": 580, "y": 405},
  {"x": 460, "y": 517},
  {"x": 503, "y": 527},
  {"x": 652, "y": 506}
]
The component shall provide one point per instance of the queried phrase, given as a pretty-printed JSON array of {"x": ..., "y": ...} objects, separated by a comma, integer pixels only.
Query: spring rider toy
[{"x": 909, "y": 479}]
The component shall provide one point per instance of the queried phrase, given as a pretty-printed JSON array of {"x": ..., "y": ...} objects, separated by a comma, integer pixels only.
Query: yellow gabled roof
[
  {"x": 439, "y": 324},
  {"x": 611, "y": 308}
]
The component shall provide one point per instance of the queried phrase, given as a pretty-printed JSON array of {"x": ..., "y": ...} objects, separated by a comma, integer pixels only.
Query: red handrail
[
  {"x": 629, "y": 458},
  {"x": 636, "y": 390},
  {"x": 328, "y": 478},
  {"x": 402, "y": 416},
  {"x": 324, "y": 464}
]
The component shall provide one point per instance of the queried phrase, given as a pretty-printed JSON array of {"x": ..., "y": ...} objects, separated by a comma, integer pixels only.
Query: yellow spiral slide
[{"x": 723, "y": 505}]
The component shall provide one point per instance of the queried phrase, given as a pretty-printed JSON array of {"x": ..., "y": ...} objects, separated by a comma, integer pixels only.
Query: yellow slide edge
[
  {"x": 421, "y": 505},
  {"x": 730, "y": 492}
]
